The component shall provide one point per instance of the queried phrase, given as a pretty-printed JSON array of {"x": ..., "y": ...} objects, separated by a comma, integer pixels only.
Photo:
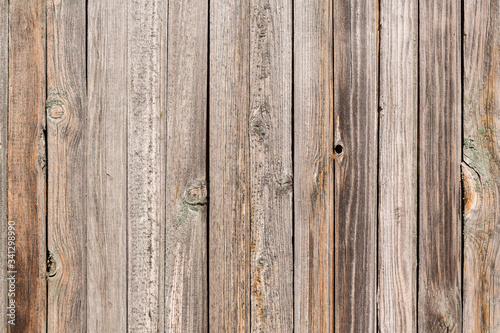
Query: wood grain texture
[
  {"x": 398, "y": 116},
  {"x": 271, "y": 169},
  {"x": 144, "y": 164},
  {"x": 66, "y": 146},
  {"x": 440, "y": 154},
  {"x": 107, "y": 166},
  {"x": 186, "y": 257},
  {"x": 4, "y": 115},
  {"x": 229, "y": 205},
  {"x": 355, "y": 97},
  {"x": 481, "y": 166},
  {"x": 313, "y": 167},
  {"x": 27, "y": 161}
]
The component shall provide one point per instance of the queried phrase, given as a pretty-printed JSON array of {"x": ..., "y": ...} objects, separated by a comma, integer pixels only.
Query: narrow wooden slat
[
  {"x": 186, "y": 296},
  {"x": 4, "y": 114},
  {"x": 313, "y": 167},
  {"x": 439, "y": 299},
  {"x": 144, "y": 164},
  {"x": 26, "y": 163},
  {"x": 355, "y": 96},
  {"x": 271, "y": 168},
  {"x": 397, "y": 232},
  {"x": 481, "y": 167},
  {"x": 106, "y": 166},
  {"x": 229, "y": 206},
  {"x": 66, "y": 146}
]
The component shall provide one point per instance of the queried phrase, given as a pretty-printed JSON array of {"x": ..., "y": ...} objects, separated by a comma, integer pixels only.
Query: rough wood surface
[
  {"x": 4, "y": 113},
  {"x": 398, "y": 113},
  {"x": 229, "y": 204},
  {"x": 440, "y": 154},
  {"x": 313, "y": 167},
  {"x": 107, "y": 166},
  {"x": 355, "y": 97},
  {"x": 66, "y": 113},
  {"x": 26, "y": 169},
  {"x": 186, "y": 296},
  {"x": 271, "y": 169},
  {"x": 481, "y": 166},
  {"x": 144, "y": 165}
]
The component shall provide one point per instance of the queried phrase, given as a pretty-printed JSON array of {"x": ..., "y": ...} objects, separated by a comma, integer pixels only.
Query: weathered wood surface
[
  {"x": 65, "y": 108},
  {"x": 4, "y": 113},
  {"x": 481, "y": 166},
  {"x": 270, "y": 164},
  {"x": 313, "y": 167},
  {"x": 186, "y": 258},
  {"x": 107, "y": 166},
  {"x": 440, "y": 154},
  {"x": 26, "y": 161},
  {"x": 397, "y": 153},
  {"x": 355, "y": 124},
  {"x": 251, "y": 166},
  {"x": 145, "y": 205},
  {"x": 229, "y": 268}
]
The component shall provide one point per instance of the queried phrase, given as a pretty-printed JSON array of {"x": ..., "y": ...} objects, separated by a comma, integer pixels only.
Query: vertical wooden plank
[
  {"x": 186, "y": 296},
  {"x": 66, "y": 146},
  {"x": 27, "y": 162},
  {"x": 355, "y": 91},
  {"x": 271, "y": 169},
  {"x": 313, "y": 166},
  {"x": 145, "y": 205},
  {"x": 440, "y": 154},
  {"x": 229, "y": 206},
  {"x": 397, "y": 231},
  {"x": 106, "y": 166},
  {"x": 481, "y": 166},
  {"x": 4, "y": 114}
]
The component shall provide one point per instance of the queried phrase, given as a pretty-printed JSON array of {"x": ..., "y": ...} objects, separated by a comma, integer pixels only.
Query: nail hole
[{"x": 339, "y": 149}]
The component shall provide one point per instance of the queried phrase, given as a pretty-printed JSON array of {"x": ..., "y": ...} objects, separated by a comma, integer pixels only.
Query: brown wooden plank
[
  {"x": 355, "y": 96},
  {"x": 313, "y": 166},
  {"x": 439, "y": 299},
  {"x": 66, "y": 147},
  {"x": 229, "y": 206},
  {"x": 271, "y": 168},
  {"x": 106, "y": 166},
  {"x": 27, "y": 161},
  {"x": 397, "y": 231},
  {"x": 4, "y": 114},
  {"x": 186, "y": 295},
  {"x": 144, "y": 164},
  {"x": 481, "y": 166}
]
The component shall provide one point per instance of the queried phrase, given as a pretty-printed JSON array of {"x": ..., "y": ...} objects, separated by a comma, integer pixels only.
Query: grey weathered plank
[
  {"x": 106, "y": 166},
  {"x": 313, "y": 167},
  {"x": 66, "y": 147},
  {"x": 186, "y": 297},
  {"x": 271, "y": 168},
  {"x": 229, "y": 205},
  {"x": 439, "y": 299},
  {"x": 26, "y": 161},
  {"x": 397, "y": 231},
  {"x": 145, "y": 204},
  {"x": 481, "y": 166},
  {"x": 4, "y": 113},
  {"x": 355, "y": 97}
]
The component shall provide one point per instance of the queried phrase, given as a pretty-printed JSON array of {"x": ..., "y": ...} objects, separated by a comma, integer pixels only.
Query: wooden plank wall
[{"x": 251, "y": 166}]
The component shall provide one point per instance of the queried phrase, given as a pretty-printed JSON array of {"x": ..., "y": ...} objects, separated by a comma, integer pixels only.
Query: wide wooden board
[
  {"x": 356, "y": 142},
  {"x": 440, "y": 153},
  {"x": 397, "y": 180},
  {"x": 481, "y": 166}
]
